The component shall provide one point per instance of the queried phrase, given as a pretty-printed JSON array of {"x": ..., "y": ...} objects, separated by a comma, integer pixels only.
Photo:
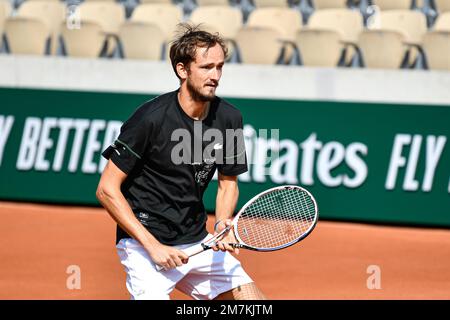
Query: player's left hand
[{"x": 223, "y": 244}]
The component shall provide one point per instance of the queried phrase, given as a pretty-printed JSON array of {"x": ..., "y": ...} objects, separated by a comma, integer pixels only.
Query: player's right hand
[{"x": 168, "y": 257}]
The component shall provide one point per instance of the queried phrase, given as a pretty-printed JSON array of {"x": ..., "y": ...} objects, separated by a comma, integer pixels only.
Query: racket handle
[{"x": 191, "y": 251}]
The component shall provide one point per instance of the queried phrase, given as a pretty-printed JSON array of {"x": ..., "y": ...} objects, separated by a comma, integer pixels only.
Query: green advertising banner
[{"x": 363, "y": 162}]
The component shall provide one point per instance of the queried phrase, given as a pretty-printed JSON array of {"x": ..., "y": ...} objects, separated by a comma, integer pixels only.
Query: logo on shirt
[{"x": 202, "y": 170}]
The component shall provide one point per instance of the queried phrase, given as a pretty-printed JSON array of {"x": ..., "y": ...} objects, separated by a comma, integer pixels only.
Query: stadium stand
[
  {"x": 412, "y": 28},
  {"x": 49, "y": 12}
]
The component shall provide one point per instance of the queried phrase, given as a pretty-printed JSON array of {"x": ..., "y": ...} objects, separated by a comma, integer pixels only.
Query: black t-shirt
[{"x": 170, "y": 158}]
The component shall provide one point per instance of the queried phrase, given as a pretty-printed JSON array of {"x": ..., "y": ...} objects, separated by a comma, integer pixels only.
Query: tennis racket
[{"x": 272, "y": 220}]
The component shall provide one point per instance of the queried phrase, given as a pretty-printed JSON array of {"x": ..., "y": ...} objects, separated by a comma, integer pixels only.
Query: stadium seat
[
  {"x": 156, "y": 1},
  {"x": 109, "y": 15},
  {"x": 5, "y": 11},
  {"x": 442, "y": 5},
  {"x": 285, "y": 20},
  {"x": 329, "y": 4},
  {"x": 146, "y": 18},
  {"x": 413, "y": 26},
  {"x": 393, "y": 4},
  {"x": 259, "y": 45},
  {"x": 270, "y": 3},
  {"x": 27, "y": 36},
  {"x": 436, "y": 46},
  {"x": 134, "y": 44},
  {"x": 89, "y": 41},
  {"x": 165, "y": 16},
  {"x": 348, "y": 23},
  {"x": 223, "y": 19},
  {"x": 382, "y": 49},
  {"x": 319, "y": 48},
  {"x": 48, "y": 11},
  {"x": 212, "y": 3},
  {"x": 411, "y": 23},
  {"x": 442, "y": 22}
]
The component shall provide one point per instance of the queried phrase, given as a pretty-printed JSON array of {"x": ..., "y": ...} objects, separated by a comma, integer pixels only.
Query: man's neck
[{"x": 195, "y": 109}]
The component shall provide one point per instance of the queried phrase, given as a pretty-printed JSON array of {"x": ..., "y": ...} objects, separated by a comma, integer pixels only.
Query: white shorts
[{"x": 205, "y": 276}]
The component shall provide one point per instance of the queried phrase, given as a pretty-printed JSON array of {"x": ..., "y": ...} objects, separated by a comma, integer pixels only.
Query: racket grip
[{"x": 191, "y": 251}]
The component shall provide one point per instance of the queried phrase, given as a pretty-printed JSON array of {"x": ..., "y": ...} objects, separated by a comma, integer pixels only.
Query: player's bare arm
[
  {"x": 112, "y": 199},
  {"x": 226, "y": 200}
]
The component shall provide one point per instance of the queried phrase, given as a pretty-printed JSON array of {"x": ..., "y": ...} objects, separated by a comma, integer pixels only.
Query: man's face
[{"x": 204, "y": 73}]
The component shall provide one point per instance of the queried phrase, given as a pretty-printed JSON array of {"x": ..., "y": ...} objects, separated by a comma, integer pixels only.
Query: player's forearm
[
  {"x": 118, "y": 208},
  {"x": 226, "y": 201}
]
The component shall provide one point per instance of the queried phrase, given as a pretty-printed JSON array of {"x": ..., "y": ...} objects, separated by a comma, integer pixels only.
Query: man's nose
[{"x": 216, "y": 74}]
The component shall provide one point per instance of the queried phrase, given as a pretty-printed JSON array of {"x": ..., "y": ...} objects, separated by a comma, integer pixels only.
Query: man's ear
[{"x": 182, "y": 70}]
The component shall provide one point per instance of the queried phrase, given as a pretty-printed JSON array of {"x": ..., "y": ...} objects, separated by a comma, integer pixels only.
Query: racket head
[{"x": 289, "y": 214}]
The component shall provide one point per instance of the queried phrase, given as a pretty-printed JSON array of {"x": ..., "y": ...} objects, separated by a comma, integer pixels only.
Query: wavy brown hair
[{"x": 190, "y": 37}]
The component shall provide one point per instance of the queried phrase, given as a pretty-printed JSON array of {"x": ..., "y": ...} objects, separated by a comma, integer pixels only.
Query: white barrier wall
[{"x": 240, "y": 81}]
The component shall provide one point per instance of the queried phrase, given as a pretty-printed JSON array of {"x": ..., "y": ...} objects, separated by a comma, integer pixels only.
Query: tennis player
[{"x": 154, "y": 181}]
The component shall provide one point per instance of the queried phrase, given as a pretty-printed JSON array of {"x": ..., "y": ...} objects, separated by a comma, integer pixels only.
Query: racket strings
[{"x": 277, "y": 218}]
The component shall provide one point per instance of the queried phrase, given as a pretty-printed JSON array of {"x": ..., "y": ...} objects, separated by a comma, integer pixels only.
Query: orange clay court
[{"x": 40, "y": 242}]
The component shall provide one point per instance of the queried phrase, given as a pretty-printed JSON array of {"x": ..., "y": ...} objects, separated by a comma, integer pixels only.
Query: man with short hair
[{"x": 154, "y": 181}]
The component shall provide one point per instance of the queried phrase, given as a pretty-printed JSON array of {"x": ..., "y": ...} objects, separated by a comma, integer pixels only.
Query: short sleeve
[
  {"x": 132, "y": 143},
  {"x": 234, "y": 156}
]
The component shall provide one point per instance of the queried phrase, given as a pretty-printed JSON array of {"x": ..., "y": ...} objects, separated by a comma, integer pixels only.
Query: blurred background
[{"x": 349, "y": 99}]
